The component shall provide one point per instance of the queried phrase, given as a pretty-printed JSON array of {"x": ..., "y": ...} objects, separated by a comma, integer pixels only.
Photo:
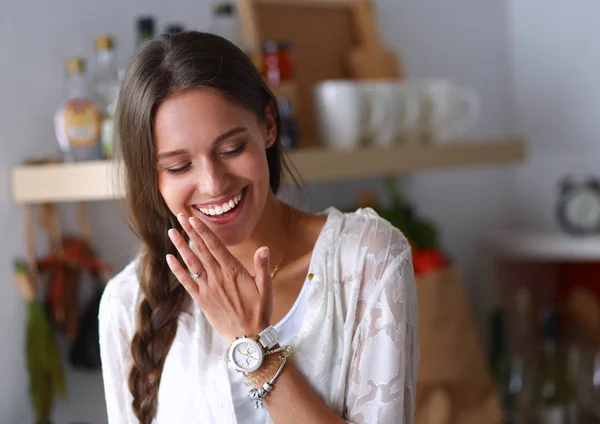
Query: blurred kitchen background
[{"x": 471, "y": 125}]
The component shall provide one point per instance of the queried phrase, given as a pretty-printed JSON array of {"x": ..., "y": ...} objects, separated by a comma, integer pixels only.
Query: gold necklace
[{"x": 276, "y": 269}]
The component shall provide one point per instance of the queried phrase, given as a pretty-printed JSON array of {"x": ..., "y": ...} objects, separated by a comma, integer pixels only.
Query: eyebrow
[{"x": 219, "y": 139}]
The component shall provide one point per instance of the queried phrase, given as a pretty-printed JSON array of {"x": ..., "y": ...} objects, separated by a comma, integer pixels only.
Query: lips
[{"x": 218, "y": 209}]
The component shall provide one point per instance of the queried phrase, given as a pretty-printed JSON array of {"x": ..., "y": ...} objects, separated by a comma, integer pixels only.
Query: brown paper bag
[{"x": 451, "y": 355}]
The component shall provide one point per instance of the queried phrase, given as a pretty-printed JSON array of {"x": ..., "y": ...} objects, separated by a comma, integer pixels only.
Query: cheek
[
  {"x": 259, "y": 169},
  {"x": 260, "y": 164},
  {"x": 175, "y": 192}
]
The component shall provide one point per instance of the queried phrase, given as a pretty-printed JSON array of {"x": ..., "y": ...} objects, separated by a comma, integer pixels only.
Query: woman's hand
[{"x": 235, "y": 302}]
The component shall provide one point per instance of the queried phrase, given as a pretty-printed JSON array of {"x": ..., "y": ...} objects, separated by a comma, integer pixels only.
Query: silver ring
[{"x": 198, "y": 274}]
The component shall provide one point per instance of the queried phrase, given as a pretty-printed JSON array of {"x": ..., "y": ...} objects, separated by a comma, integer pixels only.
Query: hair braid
[{"x": 156, "y": 329}]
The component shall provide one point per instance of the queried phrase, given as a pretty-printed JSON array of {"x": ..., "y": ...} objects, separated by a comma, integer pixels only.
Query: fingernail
[
  {"x": 181, "y": 218},
  {"x": 195, "y": 223},
  {"x": 172, "y": 234},
  {"x": 170, "y": 259},
  {"x": 264, "y": 253}
]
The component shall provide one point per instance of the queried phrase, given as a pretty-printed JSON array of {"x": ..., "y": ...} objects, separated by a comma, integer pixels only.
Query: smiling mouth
[{"x": 224, "y": 208}]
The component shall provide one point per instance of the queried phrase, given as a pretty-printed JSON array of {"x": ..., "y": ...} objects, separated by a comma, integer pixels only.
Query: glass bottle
[
  {"x": 278, "y": 72},
  {"x": 78, "y": 120},
  {"x": 106, "y": 86},
  {"x": 521, "y": 382},
  {"x": 499, "y": 360},
  {"x": 174, "y": 28},
  {"x": 277, "y": 65},
  {"x": 290, "y": 131},
  {"x": 145, "y": 30},
  {"x": 225, "y": 24},
  {"x": 554, "y": 391}
]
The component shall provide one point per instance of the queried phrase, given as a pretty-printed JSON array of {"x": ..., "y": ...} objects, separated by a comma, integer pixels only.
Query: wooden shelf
[
  {"x": 88, "y": 181},
  {"x": 316, "y": 165}
]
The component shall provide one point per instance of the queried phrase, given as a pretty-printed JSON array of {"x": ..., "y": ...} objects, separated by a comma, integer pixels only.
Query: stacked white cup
[{"x": 352, "y": 114}]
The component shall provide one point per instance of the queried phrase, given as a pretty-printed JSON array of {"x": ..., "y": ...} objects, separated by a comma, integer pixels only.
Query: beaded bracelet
[
  {"x": 257, "y": 395},
  {"x": 262, "y": 373},
  {"x": 279, "y": 349}
]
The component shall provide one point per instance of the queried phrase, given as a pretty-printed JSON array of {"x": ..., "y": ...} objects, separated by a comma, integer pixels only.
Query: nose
[{"x": 212, "y": 178}]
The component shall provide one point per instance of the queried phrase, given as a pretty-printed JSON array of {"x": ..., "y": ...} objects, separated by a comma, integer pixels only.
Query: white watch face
[
  {"x": 583, "y": 209},
  {"x": 246, "y": 355}
]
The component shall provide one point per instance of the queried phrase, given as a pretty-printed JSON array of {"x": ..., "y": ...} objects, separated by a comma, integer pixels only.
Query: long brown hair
[{"x": 189, "y": 60}]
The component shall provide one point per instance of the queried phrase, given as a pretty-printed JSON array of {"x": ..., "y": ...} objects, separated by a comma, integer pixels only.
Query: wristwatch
[{"x": 247, "y": 353}]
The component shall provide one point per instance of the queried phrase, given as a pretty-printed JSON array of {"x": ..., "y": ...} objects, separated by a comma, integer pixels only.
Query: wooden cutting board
[
  {"x": 374, "y": 63},
  {"x": 370, "y": 59}
]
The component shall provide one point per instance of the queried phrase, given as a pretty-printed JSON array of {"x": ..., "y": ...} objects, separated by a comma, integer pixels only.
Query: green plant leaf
[{"x": 44, "y": 362}]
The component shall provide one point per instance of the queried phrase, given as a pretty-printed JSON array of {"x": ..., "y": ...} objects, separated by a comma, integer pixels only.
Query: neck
[{"x": 272, "y": 230}]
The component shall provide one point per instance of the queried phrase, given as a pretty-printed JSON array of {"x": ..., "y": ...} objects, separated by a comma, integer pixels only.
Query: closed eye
[
  {"x": 229, "y": 153},
  {"x": 235, "y": 151},
  {"x": 180, "y": 170}
]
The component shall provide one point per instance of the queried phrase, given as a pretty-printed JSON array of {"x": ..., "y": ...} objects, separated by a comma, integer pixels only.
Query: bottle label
[{"x": 80, "y": 122}]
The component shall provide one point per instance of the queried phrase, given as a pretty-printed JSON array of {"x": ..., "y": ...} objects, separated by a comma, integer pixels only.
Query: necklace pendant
[
  {"x": 274, "y": 271},
  {"x": 291, "y": 232}
]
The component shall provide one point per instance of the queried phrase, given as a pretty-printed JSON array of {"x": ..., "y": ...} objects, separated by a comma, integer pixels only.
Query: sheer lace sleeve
[
  {"x": 114, "y": 329},
  {"x": 383, "y": 372}
]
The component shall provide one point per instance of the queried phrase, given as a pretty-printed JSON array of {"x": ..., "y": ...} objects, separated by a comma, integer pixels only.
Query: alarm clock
[{"x": 578, "y": 205}]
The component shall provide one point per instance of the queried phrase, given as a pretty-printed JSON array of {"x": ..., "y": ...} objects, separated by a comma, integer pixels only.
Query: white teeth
[{"x": 225, "y": 207}]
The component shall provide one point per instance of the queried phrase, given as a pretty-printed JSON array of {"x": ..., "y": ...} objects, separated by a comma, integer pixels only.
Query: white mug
[
  {"x": 342, "y": 113},
  {"x": 394, "y": 109},
  {"x": 447, "y": 111}
]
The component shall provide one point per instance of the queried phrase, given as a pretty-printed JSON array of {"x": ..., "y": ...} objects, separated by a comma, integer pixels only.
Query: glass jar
[{"x": 277, "y": 65}]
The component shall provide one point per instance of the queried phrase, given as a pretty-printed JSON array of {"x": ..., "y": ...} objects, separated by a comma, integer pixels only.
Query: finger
[
  {"x": 183, "y": 277},
  {"x": 201, "y": 251},
  {"x": 212, "y": 242},
  {"x": 261, "y": 267},
  {"x": 228, "y": 269},
  {"x": 189, "y": 257}
]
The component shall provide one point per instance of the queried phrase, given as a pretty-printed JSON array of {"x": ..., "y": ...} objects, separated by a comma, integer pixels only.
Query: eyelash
[
  {"x": 235, "y": 151},
  {"x": 181, "y": 170},
  {"x": 231, "y": 153}
]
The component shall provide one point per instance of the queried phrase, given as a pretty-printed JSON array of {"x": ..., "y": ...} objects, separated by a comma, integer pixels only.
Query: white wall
[
  {"x": 465, "y": 41},
  {"x": 555, "y": 58}
]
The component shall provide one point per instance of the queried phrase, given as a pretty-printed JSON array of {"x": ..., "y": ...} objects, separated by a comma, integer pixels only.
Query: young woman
[{"x": 238, "y": 307}]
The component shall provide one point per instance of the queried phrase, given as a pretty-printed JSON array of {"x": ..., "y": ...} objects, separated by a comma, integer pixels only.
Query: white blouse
[{"x": 357, "y": 346}]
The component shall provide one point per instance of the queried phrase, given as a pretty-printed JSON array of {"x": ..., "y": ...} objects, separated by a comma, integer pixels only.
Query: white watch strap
[{"x": 268, "y": 337}]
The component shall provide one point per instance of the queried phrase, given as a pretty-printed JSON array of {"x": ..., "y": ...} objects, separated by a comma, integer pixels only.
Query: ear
[{"x": 270, "y": 124}]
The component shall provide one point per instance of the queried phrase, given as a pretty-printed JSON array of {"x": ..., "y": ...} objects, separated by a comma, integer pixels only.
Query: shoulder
[
  {"x": 364, "y": 230},
  {"x": 365, "y": 250},
  {"x": 120, "y": 298}
]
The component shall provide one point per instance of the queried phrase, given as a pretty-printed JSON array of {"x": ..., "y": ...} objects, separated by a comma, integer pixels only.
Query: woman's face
[{"x": 211, "y": 161}]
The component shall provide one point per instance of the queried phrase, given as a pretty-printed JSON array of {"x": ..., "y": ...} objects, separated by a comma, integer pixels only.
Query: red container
[{"x": 277, "y": 66}]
